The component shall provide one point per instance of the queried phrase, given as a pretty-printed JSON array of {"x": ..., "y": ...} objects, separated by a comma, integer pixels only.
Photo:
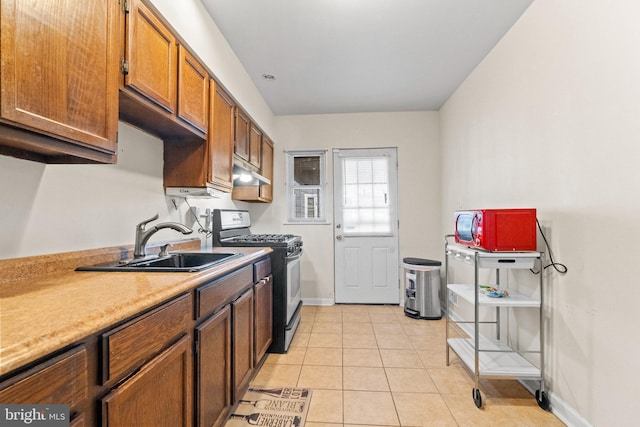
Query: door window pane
[{"x": 366, "y": 208}]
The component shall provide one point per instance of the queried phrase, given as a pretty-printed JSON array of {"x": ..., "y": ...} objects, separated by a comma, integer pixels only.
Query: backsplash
[{"x": 59, "y": 208}]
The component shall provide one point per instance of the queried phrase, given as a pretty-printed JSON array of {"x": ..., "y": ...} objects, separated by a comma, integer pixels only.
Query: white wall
[
  {"x": 550, "y": 120},
  {"x": 415, "y": 135}
]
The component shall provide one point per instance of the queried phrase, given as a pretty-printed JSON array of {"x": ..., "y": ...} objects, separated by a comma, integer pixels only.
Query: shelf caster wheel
[
  {"x": 477, "y": 398},
  {"x": 543, "y": 401}
]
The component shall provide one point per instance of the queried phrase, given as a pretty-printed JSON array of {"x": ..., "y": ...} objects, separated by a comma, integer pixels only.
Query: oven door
[{"x": 294, "y": 294}]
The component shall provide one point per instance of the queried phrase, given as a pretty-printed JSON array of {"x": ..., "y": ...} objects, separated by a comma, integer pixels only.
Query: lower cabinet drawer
[
  {"x": 214, "y": 295},
  {"x": 130, "y": 345},
  {"x": 60, "y": 380},
  {"x": 261, "y": 269}
]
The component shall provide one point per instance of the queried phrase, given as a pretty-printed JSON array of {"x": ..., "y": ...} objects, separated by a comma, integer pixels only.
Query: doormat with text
[{"x": 271, "y": 406}]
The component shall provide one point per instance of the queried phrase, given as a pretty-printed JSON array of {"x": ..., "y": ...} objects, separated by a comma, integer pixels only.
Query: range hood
[
  {"x": 193, "y": 192},
  {"x": 245, "y": 174}
]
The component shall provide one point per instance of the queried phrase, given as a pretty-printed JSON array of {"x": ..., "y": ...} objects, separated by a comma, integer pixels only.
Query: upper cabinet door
[
  {"x": 266, "y": 191},
  {"x": 221, "y": 139},
  {"x": 59, "y": 71},
  {"x": 193, "y": 90},
  {"x": 255, "y": 146},
  {"x": 262, "y": 193},
  {"x": 151, "y": 57},
  {"x": 243, "y": 129}
]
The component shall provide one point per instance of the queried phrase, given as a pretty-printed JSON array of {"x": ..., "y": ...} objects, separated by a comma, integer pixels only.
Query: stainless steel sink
[{"x": 178, "y": 262}]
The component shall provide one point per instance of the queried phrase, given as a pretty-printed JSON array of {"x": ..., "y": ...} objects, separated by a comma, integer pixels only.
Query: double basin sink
[{"x": 178, "y": 262}]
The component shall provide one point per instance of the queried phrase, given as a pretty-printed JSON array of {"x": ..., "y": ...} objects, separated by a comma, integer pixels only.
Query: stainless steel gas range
[{"x": 233, "y": 228}]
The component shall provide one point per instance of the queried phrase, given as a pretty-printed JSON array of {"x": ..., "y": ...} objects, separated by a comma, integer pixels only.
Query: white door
[{"x": 366, "y": 226}]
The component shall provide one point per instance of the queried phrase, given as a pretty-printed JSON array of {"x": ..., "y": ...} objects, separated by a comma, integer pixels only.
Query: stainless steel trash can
[{"x": 422, "y": 288}]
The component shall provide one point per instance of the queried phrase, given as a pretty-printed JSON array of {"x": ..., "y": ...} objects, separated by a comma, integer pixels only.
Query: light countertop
[{"x": 41, "y": 314}]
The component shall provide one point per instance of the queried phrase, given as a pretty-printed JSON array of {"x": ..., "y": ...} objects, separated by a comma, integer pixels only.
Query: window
[
  {"x": 306, "y": 186},
  {"x": 366, "y": 208}
]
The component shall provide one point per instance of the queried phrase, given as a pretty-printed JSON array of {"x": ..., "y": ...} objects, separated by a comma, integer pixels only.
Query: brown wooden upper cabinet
[
  {"x": 62, "y": 107},
  {"x": 248, "y": 139},
  {"x": 164, "y": 88},
  {"x": 243, "y": 131},
  {"x": 189, "y": 163},
  {"x": 262, "y": 193},
  {"x": 193, "y": 90},
  {"x": 221, "y": 134},
  {"x": 255, "y": 146},
  {"x": 150, "y": 66},
  {"x": 266, "y": 191}
]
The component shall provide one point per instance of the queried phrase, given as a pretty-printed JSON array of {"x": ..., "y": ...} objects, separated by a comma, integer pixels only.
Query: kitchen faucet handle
[
  {"x": 147, "y": 221},
  {"x": 164, "y": 250}
]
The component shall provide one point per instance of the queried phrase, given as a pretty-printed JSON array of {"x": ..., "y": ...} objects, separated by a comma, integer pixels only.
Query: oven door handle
[{"x": 294, "y": 256}]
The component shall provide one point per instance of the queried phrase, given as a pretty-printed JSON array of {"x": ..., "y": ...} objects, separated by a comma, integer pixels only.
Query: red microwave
[{"x": 497, "y": 230}]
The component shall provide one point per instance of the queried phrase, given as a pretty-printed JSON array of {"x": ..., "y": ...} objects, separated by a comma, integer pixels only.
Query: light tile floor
[{"x": 372, "y": 365}]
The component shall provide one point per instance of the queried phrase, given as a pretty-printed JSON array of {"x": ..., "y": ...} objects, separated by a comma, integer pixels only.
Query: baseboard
[
  {"x": 328, "y": 302},
  {"x": 318, "y": 301},
  {"x": 566, "y": 413}
]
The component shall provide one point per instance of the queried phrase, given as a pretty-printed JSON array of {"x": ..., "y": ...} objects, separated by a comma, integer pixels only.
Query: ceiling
[{"x": 345, "y": 56}]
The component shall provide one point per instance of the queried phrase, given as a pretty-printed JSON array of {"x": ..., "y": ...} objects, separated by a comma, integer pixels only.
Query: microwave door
[{"x": 464, "y": 227}]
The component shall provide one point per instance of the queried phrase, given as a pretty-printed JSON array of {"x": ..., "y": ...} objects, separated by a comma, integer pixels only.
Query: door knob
[
  {"x": 339, "y": 226},
  {"x": 339, "y": 237}
]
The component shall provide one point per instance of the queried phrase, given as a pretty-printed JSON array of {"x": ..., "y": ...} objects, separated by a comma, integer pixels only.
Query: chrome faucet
[{"x": 142, "y": 235}]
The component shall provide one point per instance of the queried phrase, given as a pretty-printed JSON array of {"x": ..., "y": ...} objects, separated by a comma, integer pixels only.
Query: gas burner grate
[{"x": 263, "y": 238}]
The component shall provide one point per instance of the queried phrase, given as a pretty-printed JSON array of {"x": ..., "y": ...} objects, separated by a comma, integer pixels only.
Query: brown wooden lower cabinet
[
  {"x": 213, "y": 369},
  {"x": 157, "y": 395},
  {"x": 263, "y": 294},
  {"x": 225, "y": 339},
  {"x": 242, "y": 317},
  {"x": 78, "y": 421},
  {"x": 61, "y": 380},
  {"x": 182, "y": 363},
  {"x": 129, "y": 345}
]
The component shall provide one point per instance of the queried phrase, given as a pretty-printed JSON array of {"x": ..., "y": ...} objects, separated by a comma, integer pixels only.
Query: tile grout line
[{"x": 421, "y": 336}]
